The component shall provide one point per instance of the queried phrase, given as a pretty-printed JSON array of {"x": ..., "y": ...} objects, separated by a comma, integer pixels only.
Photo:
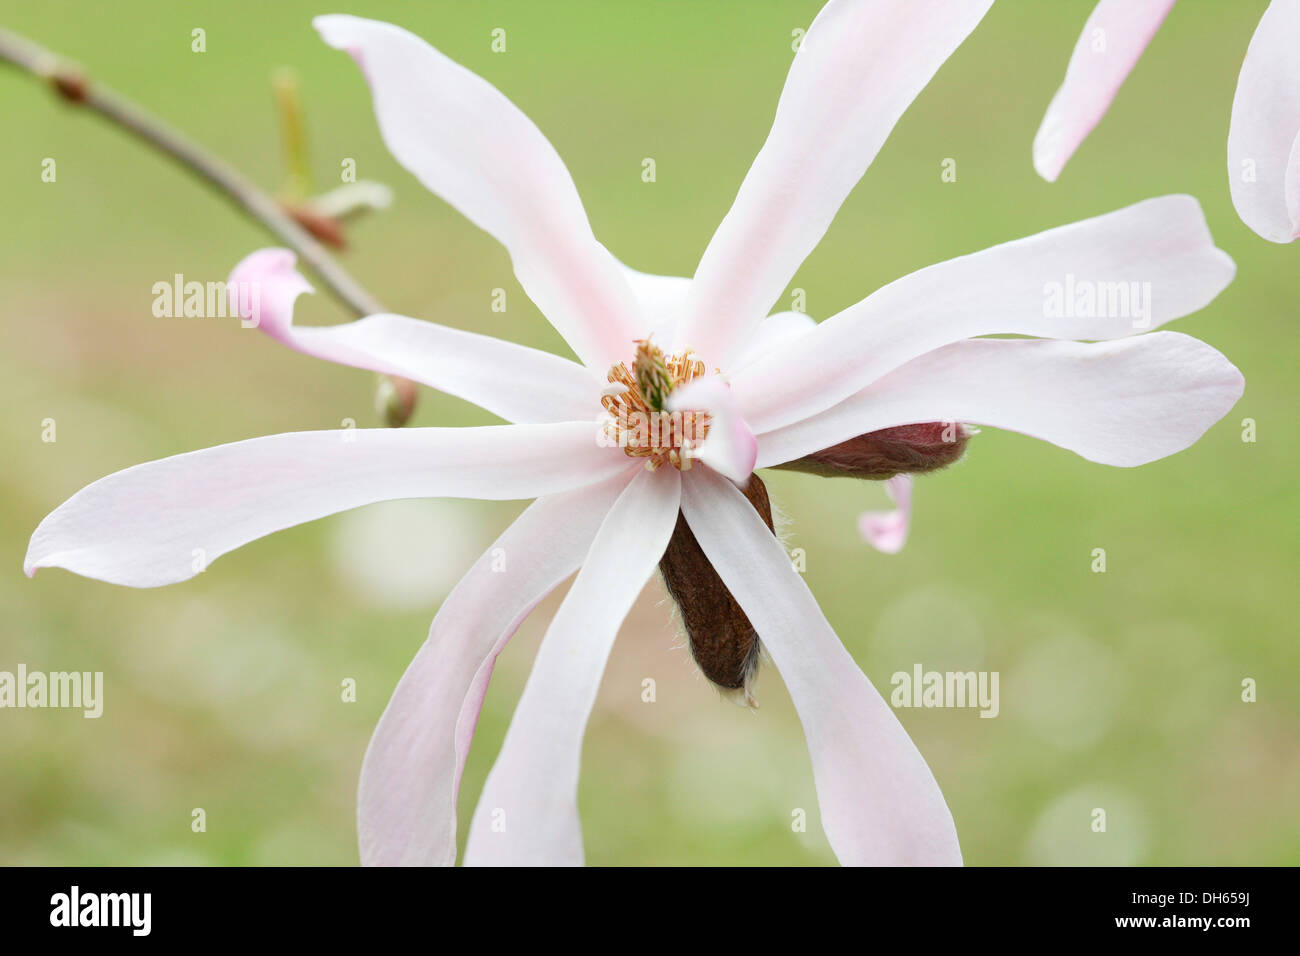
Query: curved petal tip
[
  {"x": 886, "y": 531},
  {"x": 730, "y": 447},
  {"x": 263, "y": 288}
]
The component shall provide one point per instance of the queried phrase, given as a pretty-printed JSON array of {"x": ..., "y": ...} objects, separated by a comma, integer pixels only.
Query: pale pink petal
[
  {"x": 1146, "y": 264},
  {"x": 859, "y": 67},
  {"x": 165, "y": 521},
  {"x": 406, "y": 803},
  {"x": 660, "y": 299},
  {"x": 469, "y": 144},
  {"x": 730, "y": 447},
  {"x": 517, "y": 383},
  {"x": 263, "y": 287},
  {"x": 1112, "y": 41},
  {"x": 880, "y": 804},
  {"x": 886, "y": 531},
  {"x": 773, "y": 334},
  {"x": 1264, "y": 137},
  {"x": 528, "y": 812},
  {"x": 1122, "y": 403}
]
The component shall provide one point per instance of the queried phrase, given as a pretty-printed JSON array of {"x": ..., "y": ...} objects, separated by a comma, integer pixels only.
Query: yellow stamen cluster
[{"x": 635, "y": 400}]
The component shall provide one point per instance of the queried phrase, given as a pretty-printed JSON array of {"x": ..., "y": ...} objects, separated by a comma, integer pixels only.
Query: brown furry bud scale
[{"x": 723, "y": 642}]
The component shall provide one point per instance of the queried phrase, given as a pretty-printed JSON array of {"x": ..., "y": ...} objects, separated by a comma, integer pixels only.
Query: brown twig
[{"x": 73, "y": 86}]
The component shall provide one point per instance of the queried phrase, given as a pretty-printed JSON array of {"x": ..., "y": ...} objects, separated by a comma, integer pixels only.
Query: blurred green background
[{"x": 1119, "y": 690}]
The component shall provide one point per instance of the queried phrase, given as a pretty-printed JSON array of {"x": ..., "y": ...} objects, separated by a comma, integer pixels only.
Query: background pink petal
[
  {"x": 1112, "y": 41},
  {"x": 886, "y": 531}
]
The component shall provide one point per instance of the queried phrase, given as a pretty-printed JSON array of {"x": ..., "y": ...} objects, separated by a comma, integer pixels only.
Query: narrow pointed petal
[
  {"x": 410, "y": 779},
  {"x": 1264, "y": 137},
  {"x": 165, "y": 521},
  {"x": 730, "y": 447},
  {"x": 1144, "y": 265},
  {"x": 515, "y": 382},
  {"x": 1121, "y": 403},
  {"x": 528, "y": 812},
  {"x": 886, "y": 531},
  {"x": 860, "y": 65},
  {"x": 880, "y": 804},
  {"x": 1112, "y": 41},
  {"x": 469, "y": 144}
]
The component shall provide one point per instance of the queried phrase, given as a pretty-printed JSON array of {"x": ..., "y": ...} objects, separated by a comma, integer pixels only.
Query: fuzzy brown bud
[
  {"x": 880, "y": 455},
  {"x": 723, "y": 642},
  {"x": 395, "y": 400},
  {"x": 72, "y": 86}
]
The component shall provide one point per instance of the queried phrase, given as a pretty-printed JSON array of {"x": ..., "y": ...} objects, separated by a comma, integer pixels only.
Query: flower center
[{"x": 635, "y": 398}]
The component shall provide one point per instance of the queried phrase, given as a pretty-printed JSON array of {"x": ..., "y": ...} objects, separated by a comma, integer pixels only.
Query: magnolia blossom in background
[
  {"x": 1264, "y": 134},
  {"x": 874, "y": 391}
]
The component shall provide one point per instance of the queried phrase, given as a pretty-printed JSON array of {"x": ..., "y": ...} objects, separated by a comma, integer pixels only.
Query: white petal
[
  {"x": 1159, "y": 252},
  {"x": 406, "y": 803},
  {"x": 517, "y": 383},
  {"x": 469, "y": 144},
  {"x": 730, "y": 447},
  {"x": 880, "y": 804},
  {"x": 528, "y": 812},
  {"x": 773, "y": 334},
  {"x": 1122, "y": 403},
  {"x": 1112, "y": 41},
  {"x": 1264, "y": 137},
  {"x": 660, "y": 299},
  {"x": 886, "y": 531},
  {"x": 859, "y": 67},
  {"x": 166, "y": 520}
]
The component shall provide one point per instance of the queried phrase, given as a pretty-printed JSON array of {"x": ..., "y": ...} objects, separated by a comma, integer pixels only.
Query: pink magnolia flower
[
  {"x": 1264, "y": 134},
  {"x": 855, "y": 394}
]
